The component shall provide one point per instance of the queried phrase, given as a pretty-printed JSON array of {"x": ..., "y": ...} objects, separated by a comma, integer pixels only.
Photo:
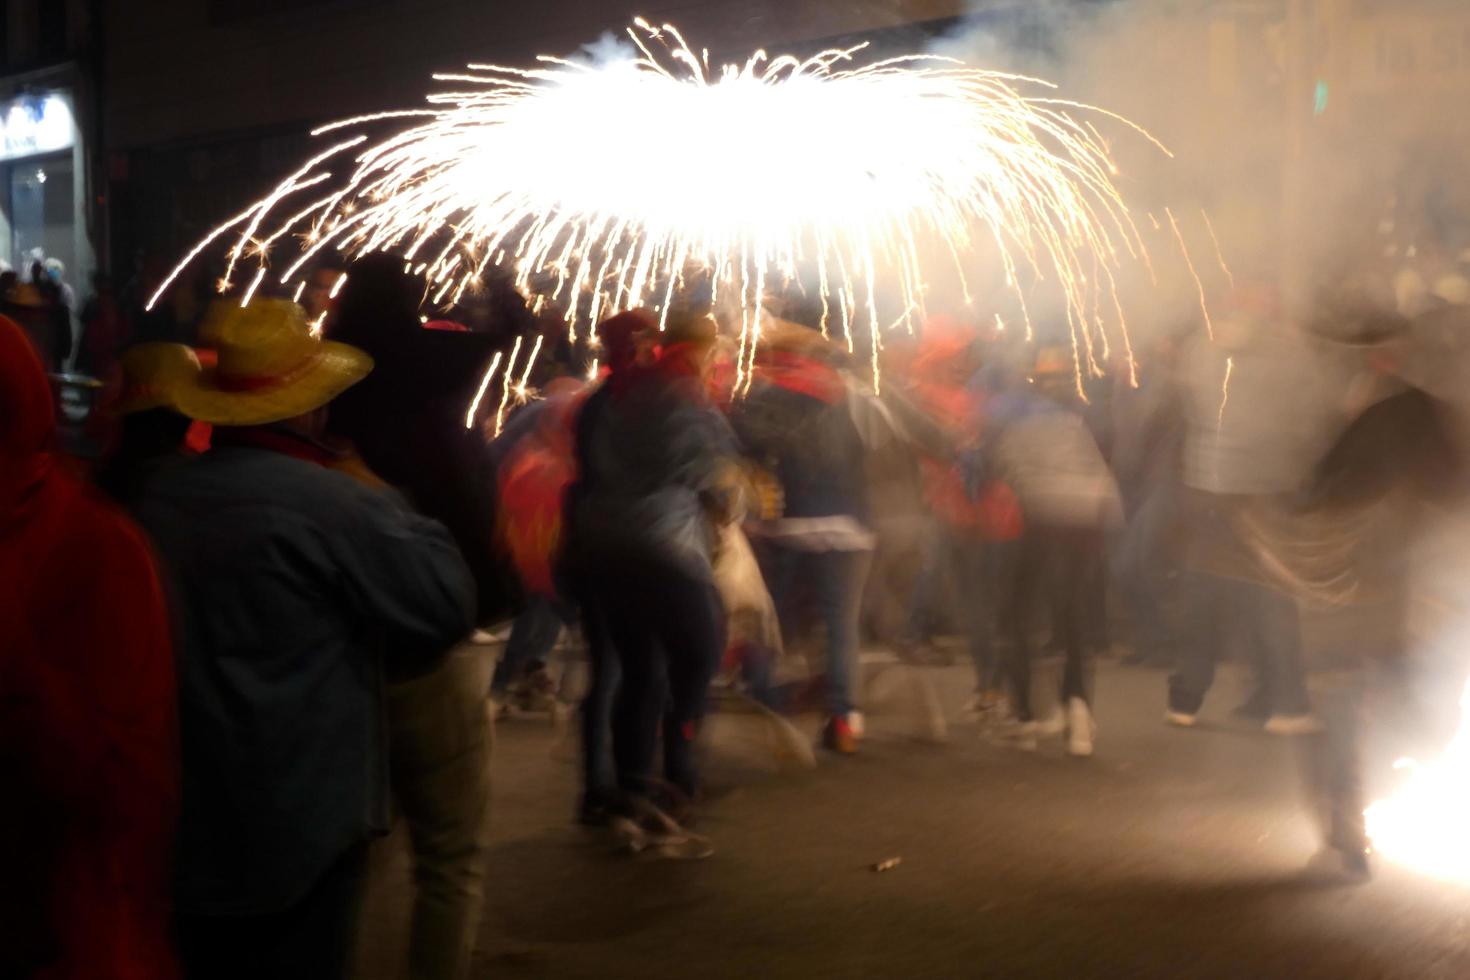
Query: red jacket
[{"x": 87, "y": 713}]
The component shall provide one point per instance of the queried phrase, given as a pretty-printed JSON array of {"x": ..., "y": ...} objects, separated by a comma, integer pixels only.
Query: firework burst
[{"x": 598, "y": 187}]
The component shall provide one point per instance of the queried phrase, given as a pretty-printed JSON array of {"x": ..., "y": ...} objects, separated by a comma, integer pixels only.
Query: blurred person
[
  {"x": 1249, "y": 445},
  {"x": 59, "y": 301},
  {"x": 625, "y": 342},
  {"x": 1037, "y": 441},
  {"x": 105, "y": 331},
  {"x": 408, "y": 422},
  {"x": 535, "y": 463},
  {"x": 54, "y": 272},
  {"x": 656, "y": 467},
  {"x": 151, "y": 431},
  {"x": 37, "y": 311},
  {"x": 797, "y": 422},
  {"x": 972, "y": 528},
  {"x": 296, "y": 588},
  {"x": 88, "y": 746},
  {"x": 1147, "y": 459}
]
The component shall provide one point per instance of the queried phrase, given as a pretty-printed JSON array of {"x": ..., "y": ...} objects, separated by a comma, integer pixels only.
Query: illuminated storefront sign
[{"x": 35, "y": 124}]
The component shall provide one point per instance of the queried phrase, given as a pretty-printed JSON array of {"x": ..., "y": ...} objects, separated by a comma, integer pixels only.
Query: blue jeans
[
  {"x": 1222, "y": 609},
  {"x": 532, "y": 637},
  {"x": 668, "y": 630},
  {"x": 1148, "y": 580},
  {"x": 974, "y": 566},
  {"x": 599, "y": 778},
  {"x": 835, "y": 580}
]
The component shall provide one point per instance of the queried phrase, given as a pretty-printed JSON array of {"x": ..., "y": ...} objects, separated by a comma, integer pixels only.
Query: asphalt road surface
[{"x": 1168, "y": 854}]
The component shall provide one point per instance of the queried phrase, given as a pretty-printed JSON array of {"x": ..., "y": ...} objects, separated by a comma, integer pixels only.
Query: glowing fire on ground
[{"x": 1426, "y": 824}]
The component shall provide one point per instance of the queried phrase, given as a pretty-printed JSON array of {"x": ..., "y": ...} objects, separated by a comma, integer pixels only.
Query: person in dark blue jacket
[
  {"x": 292, "y": 586},
  {"x": 797, "y": 422}
]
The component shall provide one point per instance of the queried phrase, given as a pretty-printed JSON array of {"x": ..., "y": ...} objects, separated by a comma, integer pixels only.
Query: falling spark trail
[
  {"x": 521, "y": 390},
  {"x": 505, "y": 379},
  {"x": 1220, "y": 255},
  {"x": 1224, "y": 393},
  {"x": 483, "y": 175},
  {"x": 469, "y": 416},
  {"x": 1204, "y": 305},
  {"x": 300, "y": 287},
  {"x": 337, "y": 286},
  {"x": 254, "y": 285}
]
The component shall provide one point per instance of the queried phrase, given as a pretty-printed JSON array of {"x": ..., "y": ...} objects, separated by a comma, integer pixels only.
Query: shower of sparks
[
  {"x": 874, "y": 176},
  {"x": 318, "y": 324},
  {"x": 1219, "y": 254},
  {"x": 1204, "y": 305},
  {"x": 469, "y": 416},
  {"x": 1224, "y": 393},
  {"x": 1422, "y": 826}
]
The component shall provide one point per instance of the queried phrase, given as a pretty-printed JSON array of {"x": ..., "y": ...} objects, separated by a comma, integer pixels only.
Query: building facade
[{"x": 48, "y": 135}]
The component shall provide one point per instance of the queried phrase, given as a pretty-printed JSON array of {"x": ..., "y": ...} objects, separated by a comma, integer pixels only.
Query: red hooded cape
[{"x": 87, "y": 713}]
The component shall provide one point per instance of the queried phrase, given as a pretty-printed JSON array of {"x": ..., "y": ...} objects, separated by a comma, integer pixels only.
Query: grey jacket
[{"x": 289, "y": 582}]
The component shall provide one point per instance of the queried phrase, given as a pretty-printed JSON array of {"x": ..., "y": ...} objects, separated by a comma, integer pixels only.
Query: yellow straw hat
[
  {"x": 151, "y": 374},
  {"x": 270, "y": 367}
]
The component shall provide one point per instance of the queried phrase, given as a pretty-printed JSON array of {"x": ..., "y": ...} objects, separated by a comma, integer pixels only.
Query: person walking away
[
  {"x": 1148, "y": 447},
  {"x": 408, "y": 421},
  {"x": 796, "y": 422},
  {"x": 535, "y": 463},
  {"x": 657, "y": 477},
  {"x": 88, "y": 744},
  {"x": 625, "y": 342},
  {"x": 296, "y": 586},
  {"x": 973, "y": 526},
  {"x": 1039, "y": 444},
  {"x": 1250, "y": 442}
]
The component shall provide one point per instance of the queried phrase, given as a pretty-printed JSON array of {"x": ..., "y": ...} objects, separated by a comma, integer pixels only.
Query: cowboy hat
[
  {"x": 151, "y": 373},
  {"x": 270, "y": 367}
]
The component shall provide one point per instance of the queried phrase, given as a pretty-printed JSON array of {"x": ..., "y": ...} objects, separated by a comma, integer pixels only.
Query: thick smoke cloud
[{"x": 1319, "y": 144}]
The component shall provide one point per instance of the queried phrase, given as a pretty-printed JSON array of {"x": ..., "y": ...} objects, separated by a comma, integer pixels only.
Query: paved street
[{"x": 1169, "y": 854}]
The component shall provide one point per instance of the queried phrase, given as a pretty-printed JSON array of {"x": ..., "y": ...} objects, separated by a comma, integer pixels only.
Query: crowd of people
[{"x": 247, "y": 638}]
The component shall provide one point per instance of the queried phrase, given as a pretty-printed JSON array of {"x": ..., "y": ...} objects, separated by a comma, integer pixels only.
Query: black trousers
[
  {"x": 311, "y": 940},
  {"x": 1055, "y": 569},
  {"x": 667, "y": 627}
]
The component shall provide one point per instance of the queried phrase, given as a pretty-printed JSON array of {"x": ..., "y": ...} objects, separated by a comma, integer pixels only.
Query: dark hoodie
[
  {"x": 407, "y": 418},
  {"x": 87, "y": 743}
]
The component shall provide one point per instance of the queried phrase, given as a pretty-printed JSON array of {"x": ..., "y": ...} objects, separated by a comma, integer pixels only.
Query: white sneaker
[
  {"x": 1293, "y": 725},
  {"x": 1018, "y": 734},
  {"x": 1052, "y": 725},
  {"x": 1080, "y": 728},
  {"x": 1179, "y": 719}
]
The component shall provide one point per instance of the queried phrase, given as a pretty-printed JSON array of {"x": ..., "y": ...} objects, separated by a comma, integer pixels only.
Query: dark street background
[{"x": 1169, "y": 854}]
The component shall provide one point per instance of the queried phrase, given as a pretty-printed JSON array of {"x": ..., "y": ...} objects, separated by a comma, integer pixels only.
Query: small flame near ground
[{"x": 1425, "y": 826}]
